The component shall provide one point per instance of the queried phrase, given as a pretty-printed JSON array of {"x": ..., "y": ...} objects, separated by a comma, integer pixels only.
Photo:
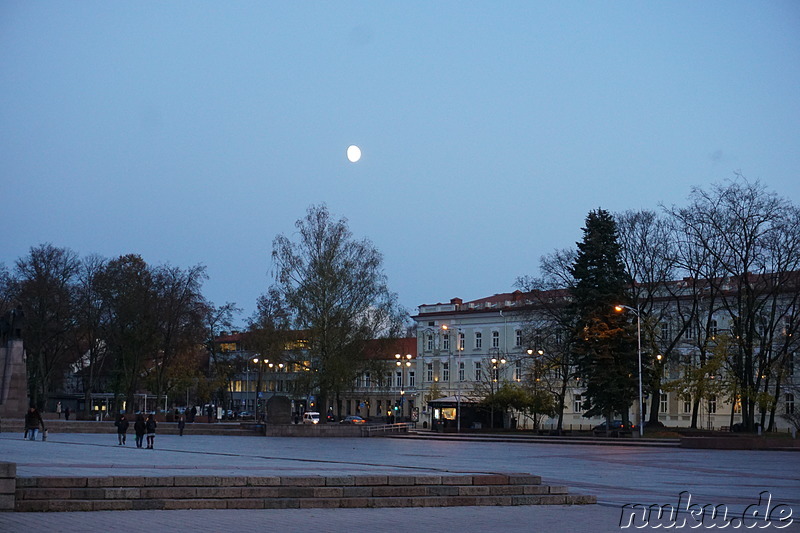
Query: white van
[{"x": 310, "y": 417}]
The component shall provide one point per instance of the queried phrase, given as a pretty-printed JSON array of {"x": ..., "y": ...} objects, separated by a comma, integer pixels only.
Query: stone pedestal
[{"x": 13, "y": 380}]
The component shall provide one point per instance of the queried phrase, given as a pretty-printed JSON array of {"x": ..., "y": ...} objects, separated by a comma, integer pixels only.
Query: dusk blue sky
[{"x": 194, "y": 132}]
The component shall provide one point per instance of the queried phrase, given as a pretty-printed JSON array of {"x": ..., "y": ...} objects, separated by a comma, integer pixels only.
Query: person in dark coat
[
  {"x": 66, "y": 413},
  {"x": 32, "y": 422},
  {"x": 140, "y": 428},
  {"x": 181, "y": 424},
  {"x": 122, "y": 429},
  {"x": 150, "y": 425}
]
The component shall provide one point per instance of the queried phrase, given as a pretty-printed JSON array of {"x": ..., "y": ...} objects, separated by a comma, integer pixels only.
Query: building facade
[{"x": 468, "y": 349}]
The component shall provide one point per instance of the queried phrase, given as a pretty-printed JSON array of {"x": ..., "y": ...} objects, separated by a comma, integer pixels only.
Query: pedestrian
[
  {"x": 58, "y": 410},
  {"x": 150, "y": 425},
  {"x": 66, "y": 413},
  {"x": 32, "y": 422},
  {"x": 181, "y": 425},
  {"x": 139, "y": 427},
  {"x": 122, "y": 429},
  {"x": 193, "y": 414}
]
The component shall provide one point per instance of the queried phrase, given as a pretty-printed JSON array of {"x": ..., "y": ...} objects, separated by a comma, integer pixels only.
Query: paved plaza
[{"x": 616, "y": 475}]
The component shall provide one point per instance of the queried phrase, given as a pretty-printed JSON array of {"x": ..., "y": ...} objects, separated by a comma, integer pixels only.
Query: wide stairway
[{"x": 300, "y": 492}]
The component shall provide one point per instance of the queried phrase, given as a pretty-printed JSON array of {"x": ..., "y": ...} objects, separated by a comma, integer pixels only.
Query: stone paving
[{"x": 617, "y": 475}]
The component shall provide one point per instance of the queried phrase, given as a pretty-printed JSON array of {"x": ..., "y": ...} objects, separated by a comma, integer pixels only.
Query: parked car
[
  {"x": 310, "y": 417},
  {"x": 618, "y": 429},
  {"x": 352, "y": 420},
  {"x": 245, "y": 415}
]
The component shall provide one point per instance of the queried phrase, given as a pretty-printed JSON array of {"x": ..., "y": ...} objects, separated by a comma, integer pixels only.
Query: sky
[{"x": 195, "y": 132}]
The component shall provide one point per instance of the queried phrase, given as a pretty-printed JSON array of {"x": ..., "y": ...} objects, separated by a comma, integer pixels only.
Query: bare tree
[
  {"x": 45, "y": 285},
  {"x": 752, "y": 237},
  {"x": 549, "y": 325},
  {"x": 337, "y": 292},
  {"x": 89, "y": 343},
  {"x": 179, "y": 309}
]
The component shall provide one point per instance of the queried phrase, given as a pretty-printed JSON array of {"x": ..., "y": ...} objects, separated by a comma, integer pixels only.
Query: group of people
[{"x": 141, "y": 427}]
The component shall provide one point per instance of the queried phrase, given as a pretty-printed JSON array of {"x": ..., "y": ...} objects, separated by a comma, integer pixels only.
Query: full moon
[{"x": 353, "y": 153}]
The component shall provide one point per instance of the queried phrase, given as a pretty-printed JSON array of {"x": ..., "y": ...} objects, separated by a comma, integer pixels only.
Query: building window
[
  {"x": 687, "y": 407},
  {"x": 712, "y": 404},
  {"x": 445, "y": 371},
  {"x": 460, "y": 341},
  {"x": 428, "y": 342},
  {"x": 367, "y": 379},
  {"x": 689, "y": 334},
  {"x": 398, "y": 378},
  {"x": 518, "y": 370},
  {"x": 712, "y": 328},
  {"x": 478, "y": 371},
  {"x": 411, "y": 379},
  {"x": 577, "y": 403},
  {"x": 518, "y": 338},
  {"x": 495, "y": 339},
  {"x": 446, "y": 342},
  {"x": 478, "y": 340},
  {"x": 664, "y": 403},
  {"x": 429, "y": 372},
  {"x": 789, "y": 403},
  {"x": 460, "y": 371}
]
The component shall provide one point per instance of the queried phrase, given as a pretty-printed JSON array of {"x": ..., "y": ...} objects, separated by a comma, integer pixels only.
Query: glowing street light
[{"x": 637, "y": 312}]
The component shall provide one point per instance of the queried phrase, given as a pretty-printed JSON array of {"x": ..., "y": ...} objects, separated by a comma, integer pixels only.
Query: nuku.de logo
[{"x": 692, "y": 515}]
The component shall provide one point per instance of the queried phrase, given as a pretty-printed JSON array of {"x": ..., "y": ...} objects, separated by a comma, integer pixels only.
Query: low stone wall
[
  {"x": 313, "y": 430},
  {"x": 8, "y": 486},
  {"x": 740, "y": 443}
]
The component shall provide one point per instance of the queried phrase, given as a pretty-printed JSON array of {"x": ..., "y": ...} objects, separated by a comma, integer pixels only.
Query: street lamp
[
  {"x": 256, "y": 360},
  {"x": 402, "y": 361},
  {"x": 637, "y": 312},
  {"x": 494, "y": 379}
]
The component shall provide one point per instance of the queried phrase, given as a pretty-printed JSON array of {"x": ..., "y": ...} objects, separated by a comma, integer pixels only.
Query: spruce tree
[{"x": 605, "y": 345}]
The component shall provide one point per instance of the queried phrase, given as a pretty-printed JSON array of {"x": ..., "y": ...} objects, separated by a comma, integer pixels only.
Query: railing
[{"x": 384, "y": 429}]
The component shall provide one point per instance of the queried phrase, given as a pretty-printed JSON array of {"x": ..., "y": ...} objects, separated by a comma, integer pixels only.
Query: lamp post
[
  {"x": 402, "y": 361},
  {"x": 637, "y": 312},
  {"x": 494, "y": 379},
  {"x": 256, "y": 360}
]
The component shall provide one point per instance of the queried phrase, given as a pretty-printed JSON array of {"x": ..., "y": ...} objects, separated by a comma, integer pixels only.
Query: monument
[{"x": 13, "y": 372}]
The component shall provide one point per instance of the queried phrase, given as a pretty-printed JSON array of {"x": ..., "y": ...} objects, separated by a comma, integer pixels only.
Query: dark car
[
  {"x": 352, "y": 420},
  {"x": 618, "y": 429}
]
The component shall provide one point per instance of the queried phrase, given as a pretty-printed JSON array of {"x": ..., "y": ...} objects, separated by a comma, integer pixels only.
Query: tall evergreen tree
[{"x": 605, "y": 349}]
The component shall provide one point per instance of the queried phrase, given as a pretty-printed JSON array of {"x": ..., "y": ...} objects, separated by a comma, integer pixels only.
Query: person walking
[
  {"x": 58, "y": 410},
  {"x": 66, "y": 413},
  {"x": 150, "y": 425},
  {"x": 122, "y": 429},
  {"x": 32, "y": 422},
  {"x": 181, "y": 425},
  {"x": 140, "y": 428}
]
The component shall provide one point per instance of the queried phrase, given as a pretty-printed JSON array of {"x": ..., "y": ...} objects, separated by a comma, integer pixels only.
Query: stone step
[{"x": 216, "y": 492}]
